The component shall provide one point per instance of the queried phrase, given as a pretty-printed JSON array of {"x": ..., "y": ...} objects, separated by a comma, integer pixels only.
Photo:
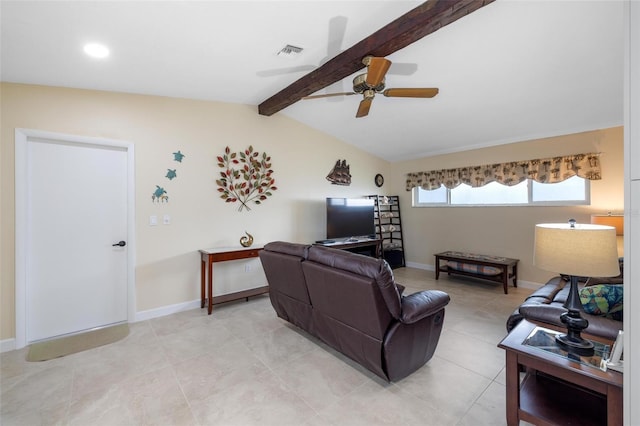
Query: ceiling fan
[{"x": 372, "y": 82}]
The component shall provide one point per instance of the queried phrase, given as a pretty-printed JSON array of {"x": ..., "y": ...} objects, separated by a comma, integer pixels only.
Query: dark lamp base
[
  {"x": 572, "y": 341},
  {"x": 575, "y": 345}
]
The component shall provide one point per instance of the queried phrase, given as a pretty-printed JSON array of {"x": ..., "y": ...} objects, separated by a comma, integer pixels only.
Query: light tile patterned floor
[{"x": 244, "y": 366}]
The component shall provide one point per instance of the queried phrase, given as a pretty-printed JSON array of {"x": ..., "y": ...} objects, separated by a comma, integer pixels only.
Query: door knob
[{"x": 119, "y": 244}]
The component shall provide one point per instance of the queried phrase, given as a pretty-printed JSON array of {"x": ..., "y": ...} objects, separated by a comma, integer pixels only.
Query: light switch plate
[
  {"x": 153, "y": 220},
  {"x": 166, "y": 219}
]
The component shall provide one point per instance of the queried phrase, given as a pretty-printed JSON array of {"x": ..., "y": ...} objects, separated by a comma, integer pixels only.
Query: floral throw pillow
[{"x": 603, "y": 299}]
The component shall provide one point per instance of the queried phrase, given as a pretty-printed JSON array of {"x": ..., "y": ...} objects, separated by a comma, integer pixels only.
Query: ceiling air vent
[{"x": 290, "y": 51}]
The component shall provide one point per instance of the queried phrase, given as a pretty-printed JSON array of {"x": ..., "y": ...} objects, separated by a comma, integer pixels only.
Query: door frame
[{"x": 22, "y": 137}]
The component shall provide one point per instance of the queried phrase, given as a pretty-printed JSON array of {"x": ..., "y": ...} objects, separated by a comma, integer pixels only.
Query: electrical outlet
[
  {"x": 166, "y": 219},
  {"x": 247, "y": 268}
]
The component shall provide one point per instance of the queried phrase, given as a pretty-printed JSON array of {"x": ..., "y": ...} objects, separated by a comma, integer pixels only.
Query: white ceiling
[{"x": 511, "y": 71}]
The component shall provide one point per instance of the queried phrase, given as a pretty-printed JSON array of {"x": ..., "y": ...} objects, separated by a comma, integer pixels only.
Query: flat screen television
[{"x": 350, "y": 217}]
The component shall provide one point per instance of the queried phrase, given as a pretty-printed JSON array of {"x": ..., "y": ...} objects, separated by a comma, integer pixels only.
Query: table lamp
[
  {"x": 576, "y": 250},
  {"x": 615, "y": 220}
]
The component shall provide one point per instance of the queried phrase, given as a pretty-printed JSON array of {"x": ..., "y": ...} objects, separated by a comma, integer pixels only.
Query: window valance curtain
[{"x": 543, "y": 170}]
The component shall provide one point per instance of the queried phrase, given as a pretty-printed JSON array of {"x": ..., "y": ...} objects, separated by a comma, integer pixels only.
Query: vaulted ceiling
[{"x": 510, "y": 71}]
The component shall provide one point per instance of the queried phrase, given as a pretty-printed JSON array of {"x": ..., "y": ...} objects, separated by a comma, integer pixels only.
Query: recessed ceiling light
[{"x": 96, "y": 50}]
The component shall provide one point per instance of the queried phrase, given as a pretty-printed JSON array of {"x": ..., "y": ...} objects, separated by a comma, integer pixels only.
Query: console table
[
  {"x": 210, "y": 256},
  {"x": 501, "y": 263},
  {"x": 374, "y": 243},
  {"x": 558, "y": 387}
]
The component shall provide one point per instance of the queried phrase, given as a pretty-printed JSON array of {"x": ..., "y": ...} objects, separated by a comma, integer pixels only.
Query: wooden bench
[{"x": 492, "y": 268}]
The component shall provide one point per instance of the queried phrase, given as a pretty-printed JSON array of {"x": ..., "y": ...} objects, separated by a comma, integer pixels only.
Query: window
[{"x": 573, "y": 191}]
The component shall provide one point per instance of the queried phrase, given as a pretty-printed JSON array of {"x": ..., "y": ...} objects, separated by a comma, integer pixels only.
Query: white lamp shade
[{"x": 586, "y": 250}]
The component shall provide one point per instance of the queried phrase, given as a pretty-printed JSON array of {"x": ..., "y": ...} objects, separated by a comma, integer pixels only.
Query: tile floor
[{"x": 244, "y": 366}]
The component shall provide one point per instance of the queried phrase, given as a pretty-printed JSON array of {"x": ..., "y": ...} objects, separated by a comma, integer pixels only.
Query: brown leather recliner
[{"x": 352, "y": 303}]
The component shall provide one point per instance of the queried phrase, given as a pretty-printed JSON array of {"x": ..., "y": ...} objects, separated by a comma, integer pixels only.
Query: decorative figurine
[
  {"x": 160, "y": 195},
  {"x": 178, "y": 156},
  {"x": 340, "y": 174},
  {"x": 247, "y": 240}
]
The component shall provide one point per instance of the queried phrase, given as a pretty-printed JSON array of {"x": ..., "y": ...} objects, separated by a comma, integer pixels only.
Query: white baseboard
[
  {"x": 420, "y": 266},
  {"x": 7, "y": 345},
  {"x": 166, "y": 310},
  {"x": 521, "y": 283}
]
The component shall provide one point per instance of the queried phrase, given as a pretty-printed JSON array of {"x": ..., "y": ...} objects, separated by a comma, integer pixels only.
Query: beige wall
[
  {"x": 167, "y": 270},
  {"x": 506, "y": 231}
]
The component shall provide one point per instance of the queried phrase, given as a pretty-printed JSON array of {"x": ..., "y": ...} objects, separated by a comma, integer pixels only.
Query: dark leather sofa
[
  {"x": 352, "y": 303},
  {"x": 545, "y": 305}
]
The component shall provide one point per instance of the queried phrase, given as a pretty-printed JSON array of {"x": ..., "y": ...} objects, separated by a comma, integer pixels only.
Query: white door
[{"x": 76, "y": 210}]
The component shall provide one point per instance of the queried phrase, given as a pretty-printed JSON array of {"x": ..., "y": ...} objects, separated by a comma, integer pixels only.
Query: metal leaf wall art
[{"x": 246, "y": 177}]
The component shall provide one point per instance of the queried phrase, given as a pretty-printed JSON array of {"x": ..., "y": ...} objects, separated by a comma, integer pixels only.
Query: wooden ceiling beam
[{"x": 407, "y": 29}]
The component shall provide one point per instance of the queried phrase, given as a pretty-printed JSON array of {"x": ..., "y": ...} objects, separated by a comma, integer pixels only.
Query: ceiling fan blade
[
  {"x": 376, "y": 70},
  {"x": 364, "y": 107},
  {"x": 411, "y": 92},
  {"x": 329, "y": 95},
  {"x": 337, "y": 29},
  {"x": 401, "y": 68}
]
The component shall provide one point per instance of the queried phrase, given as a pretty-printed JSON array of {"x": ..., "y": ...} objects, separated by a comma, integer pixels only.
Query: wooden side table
[
  {"x": 210, "y": 256},
  {"x": 558, "y": 388}
]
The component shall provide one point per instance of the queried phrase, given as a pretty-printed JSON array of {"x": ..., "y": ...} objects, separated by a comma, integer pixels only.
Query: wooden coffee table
[
  {"x": 501, "y": 263},
  {"x": 558, "y": 388}
]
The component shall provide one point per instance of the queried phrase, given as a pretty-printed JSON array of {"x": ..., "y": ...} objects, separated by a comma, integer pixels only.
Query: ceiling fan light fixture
[
  {"x": 360, "y": 84},
  {"x": 369, "y": 94}
]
